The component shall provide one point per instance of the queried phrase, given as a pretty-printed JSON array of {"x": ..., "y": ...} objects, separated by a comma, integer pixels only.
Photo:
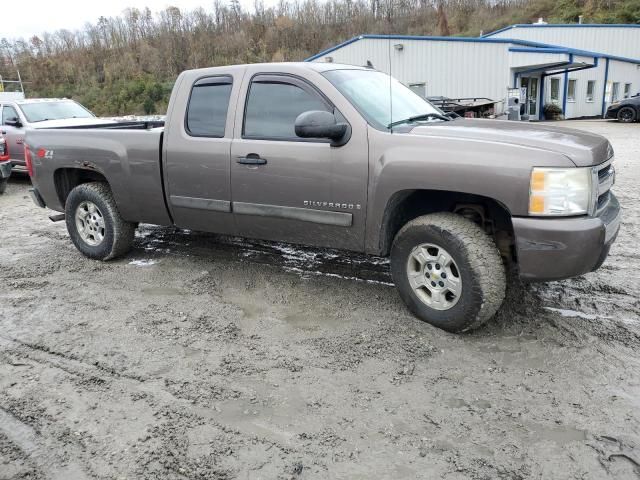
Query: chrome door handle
[{"x": 252, "y": 159}]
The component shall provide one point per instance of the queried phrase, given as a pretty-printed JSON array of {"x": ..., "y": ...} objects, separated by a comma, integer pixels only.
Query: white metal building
[{"x": 569, "y": 73}]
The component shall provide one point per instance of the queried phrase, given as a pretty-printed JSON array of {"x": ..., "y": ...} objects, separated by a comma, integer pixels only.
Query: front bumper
[
  {"x": 5, "y": 170},
  {"x": 557, "y": 248},
  {"x": 612, "y": 112}
]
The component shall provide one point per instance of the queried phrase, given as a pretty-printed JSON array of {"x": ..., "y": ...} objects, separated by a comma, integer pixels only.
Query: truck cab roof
[{"x": 282, "y": 66}]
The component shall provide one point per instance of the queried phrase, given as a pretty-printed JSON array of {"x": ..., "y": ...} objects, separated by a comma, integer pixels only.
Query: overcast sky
[{"x": 32, "y": 17}]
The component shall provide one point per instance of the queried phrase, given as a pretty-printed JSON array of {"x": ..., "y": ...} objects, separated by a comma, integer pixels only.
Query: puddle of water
[
  {"x": 574, "y": 313},
  {"x": 558, "y": 435},
  {"x": 457, "y": 403},
  {"x": 143, "y": 262},
  {"x": 163, "y": 291}
]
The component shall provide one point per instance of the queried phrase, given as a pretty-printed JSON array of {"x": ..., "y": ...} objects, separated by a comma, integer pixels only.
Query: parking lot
[{"x": 198, "y": 356}]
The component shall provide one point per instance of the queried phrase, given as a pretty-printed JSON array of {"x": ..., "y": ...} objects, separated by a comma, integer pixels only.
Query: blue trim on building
[
  {"x": 562, "y": 25},
  {"x": 541, "y": 102},
  {"x": 564, "y": 92},
  {"x": 524, "y": 43},
  {"x": 538, "y": 50},
  {"x": 604, "y": 87}
]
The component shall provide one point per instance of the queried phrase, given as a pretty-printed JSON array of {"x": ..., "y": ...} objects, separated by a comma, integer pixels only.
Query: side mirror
[
  {"x": 13, "y": 122},
  {"x": 320, "y": 124}
]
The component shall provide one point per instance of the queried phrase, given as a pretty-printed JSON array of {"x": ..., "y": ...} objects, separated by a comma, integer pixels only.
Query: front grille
[{"x": 604, "y": 178}]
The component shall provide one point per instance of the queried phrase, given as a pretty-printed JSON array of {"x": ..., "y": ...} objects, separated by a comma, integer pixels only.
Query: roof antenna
[{"x": 390, "y": 89}]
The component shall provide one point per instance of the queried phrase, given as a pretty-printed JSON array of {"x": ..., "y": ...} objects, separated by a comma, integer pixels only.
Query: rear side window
[
  {"x": 208, "y": 106},
  {"x": 8, "y": 113},
  {"x": 273, "y": 106}
]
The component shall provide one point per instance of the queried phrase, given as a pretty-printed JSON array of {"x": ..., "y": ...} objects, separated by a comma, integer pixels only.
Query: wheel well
[
  {"x": 66, "y": 179},
  {"x": 406, "y": 205}
]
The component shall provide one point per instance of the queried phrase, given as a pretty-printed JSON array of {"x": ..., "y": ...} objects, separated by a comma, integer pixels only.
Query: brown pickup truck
[{"x": 344, "y": 157}]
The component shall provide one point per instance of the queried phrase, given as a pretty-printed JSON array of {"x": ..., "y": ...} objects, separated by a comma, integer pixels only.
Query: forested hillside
[{"x": 127, "y": 64}]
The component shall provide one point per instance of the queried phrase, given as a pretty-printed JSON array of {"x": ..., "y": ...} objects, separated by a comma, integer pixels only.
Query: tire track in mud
[
  {"x": 32, "y": 445},
  {"x": 176, "y": 415}
]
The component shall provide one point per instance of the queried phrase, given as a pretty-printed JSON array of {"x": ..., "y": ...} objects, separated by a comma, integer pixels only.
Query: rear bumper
[
  {"x": 5, "y": 170},
  {"x": 19, "y": 166},
  {"x": 554, "y": 249}
]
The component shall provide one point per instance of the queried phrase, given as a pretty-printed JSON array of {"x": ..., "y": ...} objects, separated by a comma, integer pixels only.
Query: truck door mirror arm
[
  {"x": 13, "y": 122},
  {"x": 321, "y": 124}
]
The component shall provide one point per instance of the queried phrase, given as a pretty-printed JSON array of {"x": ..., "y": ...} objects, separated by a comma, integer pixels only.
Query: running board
[{"x": 57, "y": 218}]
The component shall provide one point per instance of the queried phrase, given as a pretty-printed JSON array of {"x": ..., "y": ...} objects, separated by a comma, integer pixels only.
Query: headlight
[{"x": 560, "y": 191}]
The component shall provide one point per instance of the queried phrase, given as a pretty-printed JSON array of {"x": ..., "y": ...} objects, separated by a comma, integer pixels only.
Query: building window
[
  {"x": 615, "y": 91},
  {"x": 627, "y": 90},
  {"x": 591, "y": 88},
  {"x": 419, "y": 88},
  {"x": 555, "y": 90},
  {"x": 571, "y": 91}
]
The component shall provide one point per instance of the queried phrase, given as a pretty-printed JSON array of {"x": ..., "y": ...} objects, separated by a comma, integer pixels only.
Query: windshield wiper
[{"x": 424, "y": 116}]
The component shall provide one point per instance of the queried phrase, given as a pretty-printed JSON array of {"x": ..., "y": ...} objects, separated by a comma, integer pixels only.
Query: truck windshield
[
  {"x": 42, "y": 111},
  {"x": 370, "y": 91}
]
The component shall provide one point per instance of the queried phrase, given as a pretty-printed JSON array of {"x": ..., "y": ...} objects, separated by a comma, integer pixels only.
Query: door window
[
  {"x": 273, "y": 106},
  {"x": 615, "y": 91},
  {"x": 8, "y": 113},
  {"x": 591, "y": 87},
  {"x": 627, "y": 90},
  {"x": 531, "y": 84},
  {"x": 208, "y": 106},
  {"x": 571, "y": 91},
  {"x": 555, "y": 90}
]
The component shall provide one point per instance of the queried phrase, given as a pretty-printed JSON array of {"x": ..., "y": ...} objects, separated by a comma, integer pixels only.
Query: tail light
[
  {"x": 27, "y": 159},
  {"x": 4, "y": 151}
]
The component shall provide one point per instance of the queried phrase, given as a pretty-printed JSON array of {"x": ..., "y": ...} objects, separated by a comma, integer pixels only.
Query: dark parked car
[
  {"x": 5, "y": 165},
  {"x": 626, "y": 111}
]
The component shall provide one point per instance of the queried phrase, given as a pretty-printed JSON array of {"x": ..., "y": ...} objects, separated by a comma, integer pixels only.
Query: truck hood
[
  {"x": 70, "y": 122},
  {"x": 582, "y": 148}
]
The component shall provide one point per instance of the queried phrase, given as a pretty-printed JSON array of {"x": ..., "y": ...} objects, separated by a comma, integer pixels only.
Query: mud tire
[
  {"x": 118, "y": 235},
  {"x": 478, "y": 262}
]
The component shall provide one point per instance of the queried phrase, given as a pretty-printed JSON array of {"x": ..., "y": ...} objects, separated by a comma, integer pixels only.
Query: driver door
[
  {"x": 13, "y": 135},
  {"x": 295, "y": 189}
]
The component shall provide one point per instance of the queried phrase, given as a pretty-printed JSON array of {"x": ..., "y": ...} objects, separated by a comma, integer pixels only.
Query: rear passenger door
[{"x": 197, "y": 152}]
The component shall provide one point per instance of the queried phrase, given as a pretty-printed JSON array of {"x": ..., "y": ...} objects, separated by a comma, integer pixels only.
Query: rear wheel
[
  {"x": 94, "y": 222},
  {"x": 626, "y": 115},
  {"x": 448, "y": 271}
]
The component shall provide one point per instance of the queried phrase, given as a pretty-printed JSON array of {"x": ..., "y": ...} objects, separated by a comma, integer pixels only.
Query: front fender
[{"x": 403, "y": 162}]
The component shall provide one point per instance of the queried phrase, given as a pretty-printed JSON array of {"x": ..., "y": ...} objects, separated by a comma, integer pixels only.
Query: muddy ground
[{"x": 213, "y": 358}]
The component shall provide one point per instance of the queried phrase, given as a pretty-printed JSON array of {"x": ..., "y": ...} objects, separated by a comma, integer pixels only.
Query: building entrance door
[{"x": 531, "y": 105}]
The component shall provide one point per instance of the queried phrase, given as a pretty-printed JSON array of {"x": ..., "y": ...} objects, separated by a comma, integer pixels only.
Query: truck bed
[
  {"x": 132, "y": 125},
  {"x": 127, "y": 154}
]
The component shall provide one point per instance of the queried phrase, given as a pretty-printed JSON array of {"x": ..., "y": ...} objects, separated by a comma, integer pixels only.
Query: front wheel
[
  {"x": 94, "y": 222},
  {"x": 626, "y": 115},
  {"x": 448, "y": 271}
]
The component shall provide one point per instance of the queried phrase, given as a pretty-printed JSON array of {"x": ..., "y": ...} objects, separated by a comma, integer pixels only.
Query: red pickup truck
[{"x": 5, "y": 165}]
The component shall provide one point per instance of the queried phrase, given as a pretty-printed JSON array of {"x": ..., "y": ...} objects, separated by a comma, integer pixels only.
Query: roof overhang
[
  {"x": 548, "y": 61},
  {"x": 515, "y": 42}
]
